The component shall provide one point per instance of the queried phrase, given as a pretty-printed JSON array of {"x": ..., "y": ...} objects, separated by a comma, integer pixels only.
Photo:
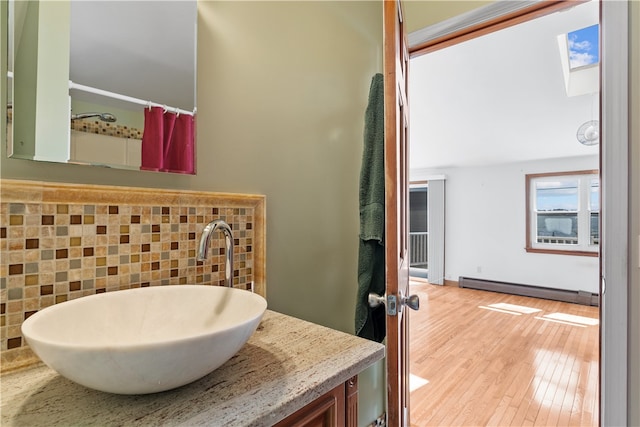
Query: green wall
[
  {"x": 41, "y": 76},
  {"x": 291, "y": 87},
  {"x": 25, "y": 77},
  {"x": 282, "y": 90}
]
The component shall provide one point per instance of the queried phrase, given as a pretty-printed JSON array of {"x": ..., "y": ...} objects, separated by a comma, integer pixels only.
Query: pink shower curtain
[{"x": 167, "y": 141}]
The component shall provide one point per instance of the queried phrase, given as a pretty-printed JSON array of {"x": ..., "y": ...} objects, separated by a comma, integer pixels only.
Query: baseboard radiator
[{"x": 576, "y": 297}]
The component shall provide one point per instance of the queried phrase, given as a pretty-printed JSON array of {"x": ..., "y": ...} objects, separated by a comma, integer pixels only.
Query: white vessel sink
[{"x": 144, "y": 340}]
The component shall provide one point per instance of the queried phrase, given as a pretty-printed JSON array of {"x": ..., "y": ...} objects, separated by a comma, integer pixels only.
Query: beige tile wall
[{"x": 59, "y": 242}]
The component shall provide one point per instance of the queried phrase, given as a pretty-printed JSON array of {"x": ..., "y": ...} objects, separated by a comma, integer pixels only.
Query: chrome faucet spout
[{"x": 205, "y": 240}]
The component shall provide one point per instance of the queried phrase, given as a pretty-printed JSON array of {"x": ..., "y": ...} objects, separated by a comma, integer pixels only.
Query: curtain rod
[{"x": 127, "y": 98}]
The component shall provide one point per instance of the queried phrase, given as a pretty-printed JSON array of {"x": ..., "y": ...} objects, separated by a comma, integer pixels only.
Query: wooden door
[{"x": 396, "y": 61}]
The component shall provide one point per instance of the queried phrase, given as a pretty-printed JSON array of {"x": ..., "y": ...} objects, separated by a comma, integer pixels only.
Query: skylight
[
  {"x": 583, "y": 45},
  {"x": 580, "y": 58}
]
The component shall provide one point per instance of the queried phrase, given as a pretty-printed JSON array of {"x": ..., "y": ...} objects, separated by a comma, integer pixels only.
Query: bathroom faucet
[{"x": 205, "y": 239}]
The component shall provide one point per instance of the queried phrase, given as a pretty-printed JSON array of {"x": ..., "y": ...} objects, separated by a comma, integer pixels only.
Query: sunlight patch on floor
[
  {"x": 484, "y": 307},
  {"x": 517, "y": 308},
  {"x": 546, "y": 383},
  {"x": 570, "y": 319},
  {"x": 415, "y": 382},
  {"x": 560, "y": 321}
]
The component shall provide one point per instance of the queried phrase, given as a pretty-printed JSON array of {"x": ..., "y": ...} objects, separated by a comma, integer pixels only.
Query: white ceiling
[
  {"x": 499, "y": 98},
  {"x": 143, "y": 49}
]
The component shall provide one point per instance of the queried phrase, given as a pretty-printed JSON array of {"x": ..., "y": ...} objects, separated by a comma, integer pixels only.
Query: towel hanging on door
[{"x": 370, "y": 322}]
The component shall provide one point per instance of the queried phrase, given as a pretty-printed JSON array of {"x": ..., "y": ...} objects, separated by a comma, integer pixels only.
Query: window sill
[{"x": 562, "y": 252}]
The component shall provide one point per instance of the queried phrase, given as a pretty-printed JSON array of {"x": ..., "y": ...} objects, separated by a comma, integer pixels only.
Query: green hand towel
[{"x": 370, "y": 322}]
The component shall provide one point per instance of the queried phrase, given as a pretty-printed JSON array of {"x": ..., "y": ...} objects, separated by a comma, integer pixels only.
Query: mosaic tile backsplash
[
  {"x": 102, "y": 128},
  {"x": 97, "y": 126},
  {"x": 54, "y": 251}
]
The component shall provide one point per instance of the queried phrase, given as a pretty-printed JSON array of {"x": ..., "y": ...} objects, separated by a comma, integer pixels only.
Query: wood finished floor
[{"x": 501, "y": 365}]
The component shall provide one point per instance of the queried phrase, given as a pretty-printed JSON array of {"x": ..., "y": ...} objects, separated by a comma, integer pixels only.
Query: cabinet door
[
  {"x": 351, "y": 404},
  {"x": 326, "y": 411}
]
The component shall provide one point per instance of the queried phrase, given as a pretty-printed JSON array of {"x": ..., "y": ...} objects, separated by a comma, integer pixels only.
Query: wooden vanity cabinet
[{"x": 337, "y": 408}]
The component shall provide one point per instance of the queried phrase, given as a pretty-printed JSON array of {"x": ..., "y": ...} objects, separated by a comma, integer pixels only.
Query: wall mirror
[{"x": 105, "y": 83}]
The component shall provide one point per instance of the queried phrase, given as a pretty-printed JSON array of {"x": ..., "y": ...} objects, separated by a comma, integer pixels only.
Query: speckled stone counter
[{"x": 286, "y": 364}]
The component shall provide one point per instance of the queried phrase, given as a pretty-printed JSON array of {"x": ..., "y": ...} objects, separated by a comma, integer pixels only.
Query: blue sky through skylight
[{"x": 583, "y": 47}]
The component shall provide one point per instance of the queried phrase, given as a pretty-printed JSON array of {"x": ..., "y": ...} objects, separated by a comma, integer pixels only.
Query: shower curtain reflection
[{"x": 167, "y": 141}]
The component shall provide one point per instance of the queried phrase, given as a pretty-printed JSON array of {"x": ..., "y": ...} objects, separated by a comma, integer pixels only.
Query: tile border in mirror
[
  {"x": 101, "y": 128},
  {"x": 64, "y": 241}
]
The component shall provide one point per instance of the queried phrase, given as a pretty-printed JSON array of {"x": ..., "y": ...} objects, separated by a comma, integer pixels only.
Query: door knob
[
  {"x": 412, "y": 301},
  {"x": 375, "y": 300}
]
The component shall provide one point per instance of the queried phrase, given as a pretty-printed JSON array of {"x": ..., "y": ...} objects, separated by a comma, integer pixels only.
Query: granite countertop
[{"x": 286, "y": 364}]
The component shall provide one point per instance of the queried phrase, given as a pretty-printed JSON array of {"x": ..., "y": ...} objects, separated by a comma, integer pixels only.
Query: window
[
  {"x": 579, "y": 58},
  {"x": 583, "y": 46},
  {"x": 418, "y": 231},
  {"x": 563, "y": 213}
]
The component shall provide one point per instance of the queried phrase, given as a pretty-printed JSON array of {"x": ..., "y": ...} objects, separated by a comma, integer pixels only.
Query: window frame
[{"x": 583, "y": 210}]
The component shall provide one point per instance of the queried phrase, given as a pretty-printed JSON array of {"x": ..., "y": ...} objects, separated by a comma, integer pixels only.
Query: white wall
[{"x": 485, "y": 227}]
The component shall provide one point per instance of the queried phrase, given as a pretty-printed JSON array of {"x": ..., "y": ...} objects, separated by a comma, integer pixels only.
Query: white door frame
[{"x": 614, "y": 169}]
